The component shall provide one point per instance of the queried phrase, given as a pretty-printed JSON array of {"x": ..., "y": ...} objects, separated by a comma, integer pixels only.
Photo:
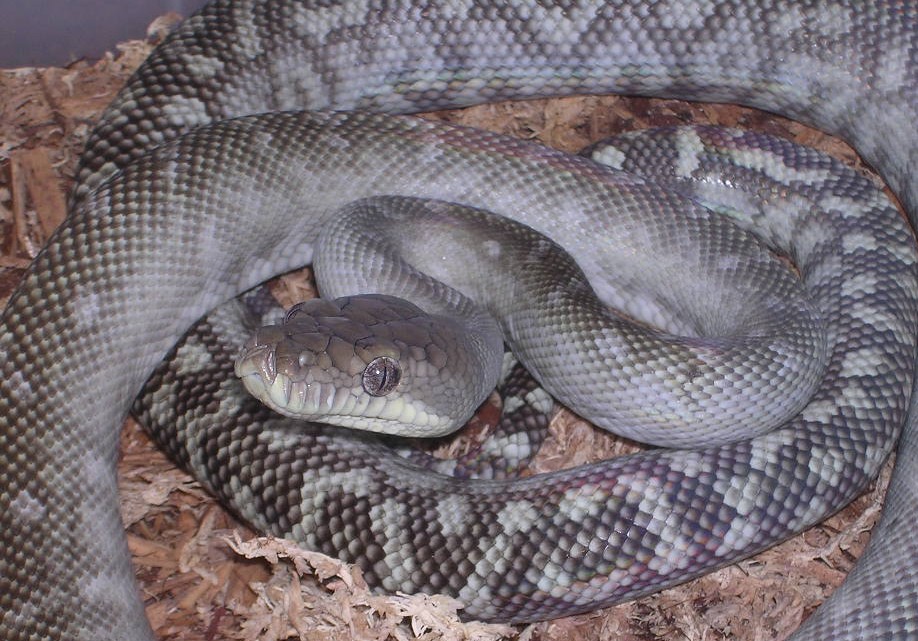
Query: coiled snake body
[{"x": 119, "y": 282}]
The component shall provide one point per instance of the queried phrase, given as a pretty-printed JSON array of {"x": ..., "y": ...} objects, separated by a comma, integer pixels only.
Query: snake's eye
[{"x": 381, "y": 376}]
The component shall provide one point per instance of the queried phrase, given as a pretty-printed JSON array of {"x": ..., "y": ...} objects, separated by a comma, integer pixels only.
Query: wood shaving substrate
[{"x": 205, "y": 576}]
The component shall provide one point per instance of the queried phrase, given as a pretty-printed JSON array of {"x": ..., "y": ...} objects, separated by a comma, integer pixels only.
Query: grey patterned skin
[
  {"x": 755, "y": 318},
  {"x": 118, "y": 284}
]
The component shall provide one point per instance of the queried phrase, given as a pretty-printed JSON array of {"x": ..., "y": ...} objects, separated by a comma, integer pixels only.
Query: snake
[
  {"x": 340, "y": 365},
  {"x": 201, "y": 180}
]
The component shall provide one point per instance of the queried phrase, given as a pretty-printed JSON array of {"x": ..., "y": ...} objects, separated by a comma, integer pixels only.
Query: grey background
[{"x": 55, "y": 32}]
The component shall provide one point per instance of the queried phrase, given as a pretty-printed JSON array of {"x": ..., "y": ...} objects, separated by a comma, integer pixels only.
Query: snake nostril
[
  {"x": 260, "y": 359},
  {"x": 293, "y": 312}
]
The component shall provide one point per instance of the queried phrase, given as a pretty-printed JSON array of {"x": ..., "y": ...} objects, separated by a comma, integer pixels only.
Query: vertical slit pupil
[{"x": 381, "y": 376}]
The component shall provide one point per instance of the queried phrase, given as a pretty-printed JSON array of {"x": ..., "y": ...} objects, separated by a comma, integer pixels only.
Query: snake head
[{"x": 371, "y": 362}]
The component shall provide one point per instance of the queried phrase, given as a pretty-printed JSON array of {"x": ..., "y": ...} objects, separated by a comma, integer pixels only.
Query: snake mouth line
[
  {"x": 256, "y": 367},
  {"x": 327, "y": 402},
  {"x": 287, "y": 398}
]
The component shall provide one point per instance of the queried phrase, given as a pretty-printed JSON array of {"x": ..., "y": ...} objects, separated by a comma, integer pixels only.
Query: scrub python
[{"x": 213, "y": 211}]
